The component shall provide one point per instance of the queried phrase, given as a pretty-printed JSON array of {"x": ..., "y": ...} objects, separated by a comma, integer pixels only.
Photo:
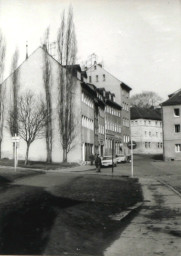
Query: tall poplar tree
[{"x": 67, "y": 49}]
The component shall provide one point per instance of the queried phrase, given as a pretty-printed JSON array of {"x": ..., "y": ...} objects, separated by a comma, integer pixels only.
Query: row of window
[
  {"x": 153, "y": 134},
  {"x": 97, "y": 78},
  {"x": 109, "y": 143},
  {"x": 126, "y": 138},
  {"x": 88, "y": 101},
  {"x": 125, "y": 106},
  {"x": 147, "y": 122},
  {"x": 148, "y": 145},
  {"x": 101, "y": 129},
  {"x": 87, "y": 122},
  {"x": 126, "y": 122},
  {"x": 113, "y": 111},
  {"x": 113, "y": 127}
]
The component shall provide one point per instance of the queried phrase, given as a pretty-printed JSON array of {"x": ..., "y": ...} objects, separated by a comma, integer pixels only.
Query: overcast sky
[{"x": 139, "y": 41}]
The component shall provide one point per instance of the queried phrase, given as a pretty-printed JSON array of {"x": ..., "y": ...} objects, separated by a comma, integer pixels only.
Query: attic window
[
  {"x": 95, "y": 67},
  {"x": 97, "y": 78},
  {"x": 90, "y": 80},
  {"x": 176, "y": 112},
  {"x": 104, "y": 77}
]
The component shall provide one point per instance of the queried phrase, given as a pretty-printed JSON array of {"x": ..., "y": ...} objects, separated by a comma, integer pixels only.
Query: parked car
[
  {"x": 107, "y": 161},
  {"x": 121, "y": 158}
]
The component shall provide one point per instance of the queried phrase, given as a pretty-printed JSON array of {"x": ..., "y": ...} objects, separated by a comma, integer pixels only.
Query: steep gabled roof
[
  {"x": 145, "y": 113},
  {"x": 174, "y": 99},
  {"x": 123, "y": 85}
]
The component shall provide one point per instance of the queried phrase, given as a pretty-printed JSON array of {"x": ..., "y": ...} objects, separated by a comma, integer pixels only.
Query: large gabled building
[
  {"x": 97, "y": 75},
  {"x": 171, "y": 110},
  {"x": 92, "y": 107}
]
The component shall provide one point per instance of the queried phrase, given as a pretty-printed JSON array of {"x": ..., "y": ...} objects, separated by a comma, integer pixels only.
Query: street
[{"x": 30, "y": 206}]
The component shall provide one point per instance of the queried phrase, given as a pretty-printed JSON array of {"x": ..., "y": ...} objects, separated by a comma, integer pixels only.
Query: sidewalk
[{"x": 156, "y": 230}]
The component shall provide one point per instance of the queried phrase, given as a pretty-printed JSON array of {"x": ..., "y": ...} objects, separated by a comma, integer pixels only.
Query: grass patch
[{"x": 37, "y": 164}]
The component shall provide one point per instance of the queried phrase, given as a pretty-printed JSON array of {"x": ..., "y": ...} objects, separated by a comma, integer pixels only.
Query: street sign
[
  {"x": 133, "y": 144},
  {"x": 15, "y": 139}
]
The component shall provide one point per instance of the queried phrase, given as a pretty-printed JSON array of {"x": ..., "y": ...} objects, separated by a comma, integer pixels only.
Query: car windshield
[{"x": 107, "y": 157}]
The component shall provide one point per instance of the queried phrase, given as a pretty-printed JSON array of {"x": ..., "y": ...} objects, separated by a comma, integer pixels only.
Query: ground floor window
[
  {"x": 177, "y": 147},
  {"x": 147, "y": 144},
  {"x": 160, "y": 145},
  {"x": 88, "y": 151}
]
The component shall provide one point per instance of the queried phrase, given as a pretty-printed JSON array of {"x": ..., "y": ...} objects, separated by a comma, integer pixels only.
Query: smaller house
[
  {"x": 146, "y": 130},
  {"x": 171, "y": 109}
]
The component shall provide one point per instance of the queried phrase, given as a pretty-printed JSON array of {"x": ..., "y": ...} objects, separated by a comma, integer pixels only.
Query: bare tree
[
  {"x": 32, "y": 118},
  {"x": 67, "y": 49},
  {"x": 146, "y": 99},
  {"x": 2, "y": 88},
  {"x": 13, "y": 123},
  {"x": 48, "y": 99}
]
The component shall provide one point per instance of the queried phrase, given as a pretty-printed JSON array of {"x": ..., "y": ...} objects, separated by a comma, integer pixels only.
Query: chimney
[{"x": 26, "y": 50}]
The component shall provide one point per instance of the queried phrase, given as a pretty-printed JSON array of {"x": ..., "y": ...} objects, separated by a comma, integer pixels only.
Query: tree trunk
[
  {"x": 27, "y": 154},
  {"x": 49, "y": 149},
  {"x": 0, "y": 148},
  {"x": 64, "y": 155}
]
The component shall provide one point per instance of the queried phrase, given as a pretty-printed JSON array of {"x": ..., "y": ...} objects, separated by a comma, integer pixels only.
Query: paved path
[{"x": 157, "y": 228}]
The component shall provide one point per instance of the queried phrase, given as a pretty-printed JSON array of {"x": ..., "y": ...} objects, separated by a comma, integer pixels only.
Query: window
[
  {"x": 145, "y": 144},
  {"x": 156, "y": 134},
  {"x": 177, "y": 128},
  {"x": 176, "y": 112},
  {"x": 97, "y": 78},
  {"x": 150, "y": 134},
  {"x": 104, "y": 77},
  {"x": 90, "y": 79},
  {"x": 145, "y": 133},
  {"x": 95, "y": 67},
  {"x": 177, "y": 147},
  {"x": 158, "y": 144}
]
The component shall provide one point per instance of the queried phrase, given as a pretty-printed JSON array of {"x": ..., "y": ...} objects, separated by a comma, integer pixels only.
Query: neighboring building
[
  {"x": 171, "y": 110},
  {"x": 146, "y": 130},
  {"x": 97, "y": 75},
  {"x": 97, "y": 115}
]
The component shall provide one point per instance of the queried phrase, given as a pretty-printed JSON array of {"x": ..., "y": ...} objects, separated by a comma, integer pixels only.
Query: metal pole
[
  {"x": 15, "y": 155},
  {"x": 112, "y": 156},
  {"x": 131, "y": 158}
]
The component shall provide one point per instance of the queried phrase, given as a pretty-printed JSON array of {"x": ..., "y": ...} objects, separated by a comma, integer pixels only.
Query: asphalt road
[{"x": 147, "y": 166}]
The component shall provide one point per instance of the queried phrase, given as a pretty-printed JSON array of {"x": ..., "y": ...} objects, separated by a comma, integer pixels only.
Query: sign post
[
  {"x": 131, "y": 145},
  {"x": 15, "y": 141},
  {"x": 112, "y": 156}
]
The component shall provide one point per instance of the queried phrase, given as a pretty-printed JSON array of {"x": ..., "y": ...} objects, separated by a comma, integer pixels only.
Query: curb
[
  {"x": 125, "y": 214},
  {"x": 170, "y": 187}
]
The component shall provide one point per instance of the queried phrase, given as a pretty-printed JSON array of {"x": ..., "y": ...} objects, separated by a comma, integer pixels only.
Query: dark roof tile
[
  {"x": 174, "y": 99},
  {"x": 145, "y": 113}
]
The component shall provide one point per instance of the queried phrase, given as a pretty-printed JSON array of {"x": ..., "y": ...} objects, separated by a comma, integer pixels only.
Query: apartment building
[
  {"x": 146, "y": 130},
  {"x": 171, "y": 111},
  {"x": 97, "y": 75}
]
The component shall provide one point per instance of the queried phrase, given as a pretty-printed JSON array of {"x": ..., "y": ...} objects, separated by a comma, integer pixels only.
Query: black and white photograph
[{"x": 90, "y": 127}]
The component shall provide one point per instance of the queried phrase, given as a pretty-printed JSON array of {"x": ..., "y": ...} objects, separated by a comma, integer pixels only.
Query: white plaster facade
[
  {"x": 30, "y": 74},
  {"x": 148, "y": 136}
]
